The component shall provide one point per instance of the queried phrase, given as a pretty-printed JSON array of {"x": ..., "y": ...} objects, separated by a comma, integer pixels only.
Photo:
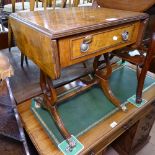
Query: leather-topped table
[
  {"x": 55, "y": 39},
  {"x": 135, "y": 124}
]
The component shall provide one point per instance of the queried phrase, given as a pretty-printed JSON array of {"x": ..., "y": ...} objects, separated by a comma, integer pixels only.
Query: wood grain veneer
[
  {"x": 43, "y": 36},
  {"x": 68, "y": 21},
  {"x": 39, "y": 35},
  {"x": 102, "y": 42}
]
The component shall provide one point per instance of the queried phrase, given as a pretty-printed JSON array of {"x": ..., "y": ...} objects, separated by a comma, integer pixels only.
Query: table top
[{"x": 69, "y": 21}]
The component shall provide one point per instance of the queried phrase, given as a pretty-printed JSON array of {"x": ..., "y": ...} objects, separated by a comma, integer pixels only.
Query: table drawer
[
  {"x": 82, "y": 47},
  {"x": 103, "y": 144},
  {"x": 92, "y": 43}
]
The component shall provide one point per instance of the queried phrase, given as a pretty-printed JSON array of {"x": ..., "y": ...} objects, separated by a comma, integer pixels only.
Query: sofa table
[{"x": 55, "y": 39}]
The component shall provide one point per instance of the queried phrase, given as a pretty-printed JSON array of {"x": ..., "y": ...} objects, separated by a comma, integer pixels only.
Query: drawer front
[
  {"x": 100, "y": 147},
  {"x": 92, "y": 43},
  {"x": 103, "y": 144},
  {"x": 82, "y": 47}
]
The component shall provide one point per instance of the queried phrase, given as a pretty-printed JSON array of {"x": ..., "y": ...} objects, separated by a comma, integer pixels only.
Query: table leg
[
  {"x": 145, "y": 68},
  {"x": 104, "y": 82},
  {"x": 49, "y": 102}
]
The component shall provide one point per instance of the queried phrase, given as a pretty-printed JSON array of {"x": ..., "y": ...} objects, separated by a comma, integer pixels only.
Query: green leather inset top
[{"x": 83, "y": 111}]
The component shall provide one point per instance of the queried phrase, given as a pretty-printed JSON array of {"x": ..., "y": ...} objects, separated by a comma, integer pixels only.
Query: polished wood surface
[
  {"x": 149, "y": 57},
  {"x": 131, "y": 5},
  {"x": 96, "y": 139},
  {"x": 40, "y": 27},
  {"x": 43, "y": 26},
  {"x": 33, "y": 5},
  {"x": 103, "y": 41},
  {"x": 64, "y": 22},
  {"x": 25, "y": 82},
  {"x": 39, "y": 48},
  {"x": 141, "y": 60},
  {"x": 138, "y": 135}
]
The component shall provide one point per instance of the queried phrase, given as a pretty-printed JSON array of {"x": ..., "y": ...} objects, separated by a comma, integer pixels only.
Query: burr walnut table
[{"x": 55, "y": 39}]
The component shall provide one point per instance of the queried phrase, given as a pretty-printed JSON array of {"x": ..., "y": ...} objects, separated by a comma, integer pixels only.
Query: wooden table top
[{"x": 64, "y": 22}]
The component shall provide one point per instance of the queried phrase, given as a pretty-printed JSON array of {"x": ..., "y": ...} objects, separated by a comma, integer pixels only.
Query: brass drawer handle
[
  {"x": 125, "y": 36},
  {"x": 85, "y": 44},
  {"x": 87, "y": 39}
]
